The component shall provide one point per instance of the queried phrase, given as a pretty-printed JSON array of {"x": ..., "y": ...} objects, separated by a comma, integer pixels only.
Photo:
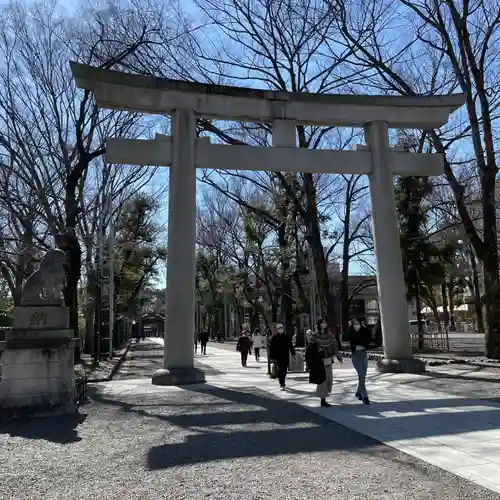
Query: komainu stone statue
[{"x": 44, "y": 287}]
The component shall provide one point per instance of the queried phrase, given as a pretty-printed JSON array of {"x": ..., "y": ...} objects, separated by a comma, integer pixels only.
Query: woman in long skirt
[{"x": 328, "y": 343}]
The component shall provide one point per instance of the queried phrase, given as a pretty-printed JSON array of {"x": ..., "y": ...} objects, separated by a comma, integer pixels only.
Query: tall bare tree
[
  {"x": 51, "y": 133},
  {"x": 444, "y": 47}
]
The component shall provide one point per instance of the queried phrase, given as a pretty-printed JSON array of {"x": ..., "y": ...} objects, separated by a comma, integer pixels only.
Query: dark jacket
[
  {"x": 315, "y": 365},
  {"x": 362, "y": 337},
  {"x": 328, "y": 342},
  {"x": 281, "y": 348},
  {"x": 204, "y": 337},
  {"x": 244, "y": 343}
]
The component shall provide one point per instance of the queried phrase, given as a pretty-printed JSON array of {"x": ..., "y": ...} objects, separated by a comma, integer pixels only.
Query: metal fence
[
  {"x": 298, "y": 364},
  {"x": 432, "y": 341}
]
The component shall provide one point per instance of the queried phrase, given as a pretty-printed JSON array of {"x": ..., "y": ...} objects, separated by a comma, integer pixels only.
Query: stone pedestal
[
  {"x": 38, "y": 364},
  {"x": 408, "y": 365},
  {"x": 178, "y": 376}
]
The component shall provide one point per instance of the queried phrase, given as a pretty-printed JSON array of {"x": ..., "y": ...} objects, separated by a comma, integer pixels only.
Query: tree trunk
[
  {"x": 478, "y": 306},
  {"x": 446, "y": 314},
  {"x": 435, "y": 313},
  {"x": 418, "y": 304},
  {"x": 344, "y": 284},
  {"x": 302, "y": 297},
  {"x": 451, "y": 301},
  {"x": 490, "y": 265},
  {"x": 89, "y": 327},
  {"x": 68, "y": 242},
  {"x": 286, "y": 282},
  {"x": 320, "y": 263}
]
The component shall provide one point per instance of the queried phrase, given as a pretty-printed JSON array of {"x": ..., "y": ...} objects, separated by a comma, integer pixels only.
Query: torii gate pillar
[
  {"x": 181, "y": 272},
  {"x": 398, "y": 355}
]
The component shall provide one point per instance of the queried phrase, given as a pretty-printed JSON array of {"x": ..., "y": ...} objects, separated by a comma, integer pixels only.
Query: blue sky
[{"x": 162, "y": 175}]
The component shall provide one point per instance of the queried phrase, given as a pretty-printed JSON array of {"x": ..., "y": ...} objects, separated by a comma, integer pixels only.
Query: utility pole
[
  {"x": 91, "y": 282},
  {"x": 166, "y": 298},
  {"x": 111, "y": 288},
  {"x": 106, "y": 277},
  {"x": 98, "y": 295}
]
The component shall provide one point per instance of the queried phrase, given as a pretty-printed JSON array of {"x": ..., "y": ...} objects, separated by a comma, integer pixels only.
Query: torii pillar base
[
  {"x": 178, "y": 376},
  {"x": 409, "y": 365}
]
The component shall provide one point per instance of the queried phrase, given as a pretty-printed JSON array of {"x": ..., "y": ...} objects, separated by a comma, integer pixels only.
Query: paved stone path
[
  {"x": 467, "y": 380},
  {"x": 441, "y": 417},
  {"x": 227, "y": 439}
]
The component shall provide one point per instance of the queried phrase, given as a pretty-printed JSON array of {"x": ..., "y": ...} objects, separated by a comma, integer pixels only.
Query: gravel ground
[{"x": 139, "y": 441}]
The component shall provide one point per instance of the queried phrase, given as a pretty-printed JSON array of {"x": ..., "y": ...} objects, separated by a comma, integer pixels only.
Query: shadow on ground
[
  {"x": 60, "y": 429},
  {"x": 457, "y": 376},
  {"x": 231, "y": 424}
]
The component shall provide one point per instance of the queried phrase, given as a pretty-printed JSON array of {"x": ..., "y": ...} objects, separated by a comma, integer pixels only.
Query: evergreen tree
[
  {"x": 424, "y": 262},
  {"x": 137, "y": 253}
]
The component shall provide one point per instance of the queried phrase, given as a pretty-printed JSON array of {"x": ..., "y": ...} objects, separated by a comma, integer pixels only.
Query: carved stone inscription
[
  {"x": 38, "y": 318},
  {"x": 41, "y": 318}
]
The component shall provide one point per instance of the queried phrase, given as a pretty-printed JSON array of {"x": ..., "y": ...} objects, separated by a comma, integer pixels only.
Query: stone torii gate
[{"x": 184, "y": 152}]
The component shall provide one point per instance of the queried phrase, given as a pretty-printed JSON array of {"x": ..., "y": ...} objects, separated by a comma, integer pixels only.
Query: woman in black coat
[
  {"x": 244, "y": 345},
  {"x": 316, "y": 366}
]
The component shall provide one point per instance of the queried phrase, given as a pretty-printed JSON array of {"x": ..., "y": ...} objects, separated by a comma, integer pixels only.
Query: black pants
[
  {"x": 196, "y": 347},
  {"x": 282, "y": 369},
  {"x": 257, "y": 353},
  {"x": 203, "y": 348},
  {"x": 244, "y": 356}
]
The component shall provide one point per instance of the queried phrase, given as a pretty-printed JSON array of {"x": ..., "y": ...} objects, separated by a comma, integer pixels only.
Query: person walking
[
  {"x": 243, "y": 346},
  {"x": 280, "y": 350},
  {"x": 360, "y": 339},
  {"x": 315, "y": 356},
  {"x": 257, "y": 343},
  {"x": 204, "y": 337},
  {"x": 245, "y": 327},
  {"x": 269, "y": 336},
  {"x": 328, "y": 343},
  {"x": 308, "y": 336}
]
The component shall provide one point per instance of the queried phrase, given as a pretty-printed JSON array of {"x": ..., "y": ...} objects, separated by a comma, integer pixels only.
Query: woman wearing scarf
[{"x": 328, "y": 343}]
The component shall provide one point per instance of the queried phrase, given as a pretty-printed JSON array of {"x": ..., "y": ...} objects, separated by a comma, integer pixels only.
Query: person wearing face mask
[
  {"x": 280, "y": 349},
  {"x": 360, "y": 338},
  {"x": 328, "y": 344}
]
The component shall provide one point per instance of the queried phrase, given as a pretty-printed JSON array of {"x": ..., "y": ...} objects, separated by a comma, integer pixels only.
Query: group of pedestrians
[
  {"x": 248, "y": 341},
  {"x": 322, "y": 348}
]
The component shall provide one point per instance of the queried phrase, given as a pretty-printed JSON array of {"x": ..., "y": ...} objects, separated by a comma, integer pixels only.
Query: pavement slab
[{"x": 231, "y": 438}]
